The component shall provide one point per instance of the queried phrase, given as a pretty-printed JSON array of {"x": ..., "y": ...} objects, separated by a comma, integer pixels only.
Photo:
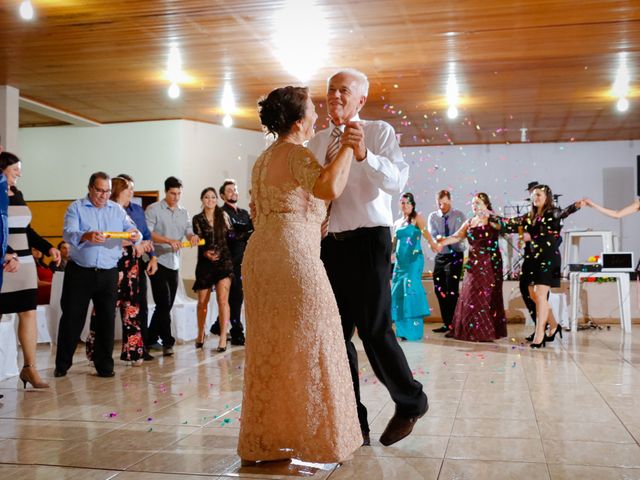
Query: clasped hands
[{"x": 353, "y": 136}]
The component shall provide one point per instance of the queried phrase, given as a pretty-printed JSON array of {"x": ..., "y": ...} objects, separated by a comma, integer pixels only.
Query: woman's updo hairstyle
[{"x": 282, "y": 108}]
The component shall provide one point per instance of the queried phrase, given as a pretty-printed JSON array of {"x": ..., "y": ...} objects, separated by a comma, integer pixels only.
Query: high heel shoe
[
  {"x": 200, "y": 344},
  {"x": 31, "y": 376},
  {"x": 551, "y": 338},
  {"x": 222, "y": 348},
  {"x": 543, "y": 343}
]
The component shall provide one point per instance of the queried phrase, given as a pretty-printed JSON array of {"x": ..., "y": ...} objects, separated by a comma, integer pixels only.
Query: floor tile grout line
[
  {"x": 535, "y": 413},
  {"x": 594, "y": 386},
  {"x": 455, "y": 416}
]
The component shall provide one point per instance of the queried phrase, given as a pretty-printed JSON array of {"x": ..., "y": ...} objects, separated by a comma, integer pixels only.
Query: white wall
[
  {"x": 574, "y": 170},
  {"x": 57, "y": 161}
]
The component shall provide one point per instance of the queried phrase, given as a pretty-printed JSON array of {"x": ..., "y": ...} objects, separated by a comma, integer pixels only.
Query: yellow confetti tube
[
  {"x": 187, "y": 243},
  {"x": 122, "y": 235}
]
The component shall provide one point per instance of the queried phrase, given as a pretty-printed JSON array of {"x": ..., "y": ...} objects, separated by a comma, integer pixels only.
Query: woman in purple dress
[{"x": 479, "y": 315}]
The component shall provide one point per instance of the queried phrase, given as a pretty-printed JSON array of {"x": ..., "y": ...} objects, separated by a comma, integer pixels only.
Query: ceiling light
[
  {"x": 174, "y": 90},
  {"x": 452, "y": 90},
  {"x": 452, "y": 96},
  {"x": 620, "y": 86},
  {"x": 228, "y": 100},
  {"x": 228, "y": 105},
  {"x": 301, "y": 38},
  {"x": 174, "y": 64},
  {"x": 622, "y": 105},
  {"x": 26, "y": 10}
]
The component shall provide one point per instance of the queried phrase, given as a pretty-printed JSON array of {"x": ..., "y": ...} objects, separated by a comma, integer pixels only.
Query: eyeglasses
[{"x": 101, "y": 191}]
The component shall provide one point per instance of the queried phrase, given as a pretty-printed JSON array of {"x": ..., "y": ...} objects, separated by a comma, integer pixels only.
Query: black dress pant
[
  {"x": 236, "y": 297},
  {"x": 357, "y": 264},
  {"x": 80, "y": 286},
  {"x": 446, "y": 279},
  {"x": 164, "y": 285}
]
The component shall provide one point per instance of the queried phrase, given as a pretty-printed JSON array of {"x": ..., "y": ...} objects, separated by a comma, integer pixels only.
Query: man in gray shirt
[
  {"x": 169, "y": 223},
  {"x": 448, "y": 266}
]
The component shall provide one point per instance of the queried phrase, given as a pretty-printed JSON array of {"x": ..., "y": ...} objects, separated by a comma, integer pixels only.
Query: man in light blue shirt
[
  {"x": 92, "y": 273},
  {"x": 444, "y": 222},
  {"x": 169, "y": 223}
]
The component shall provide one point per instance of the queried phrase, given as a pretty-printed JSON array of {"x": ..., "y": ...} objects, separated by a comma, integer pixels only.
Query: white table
[
  {"x": 624, "y": 300},
  {"x": 184, "y": 314},
  {"x": 572, "y": 243}
]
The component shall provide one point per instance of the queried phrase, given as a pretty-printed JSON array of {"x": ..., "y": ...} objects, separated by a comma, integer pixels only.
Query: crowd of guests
[
  {"x": 477, "y": 312},
  {"x": 112, "y": 271},
  {"x": 110, "y": 246}
]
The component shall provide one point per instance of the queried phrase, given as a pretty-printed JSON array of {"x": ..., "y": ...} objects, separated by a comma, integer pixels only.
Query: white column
[{"x": 9, "y": 117}]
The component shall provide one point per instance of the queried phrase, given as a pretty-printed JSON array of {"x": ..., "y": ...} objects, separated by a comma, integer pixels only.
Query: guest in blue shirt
[
  {"x": 92, "y": 273},
  {"x": 447, "y": 270}
]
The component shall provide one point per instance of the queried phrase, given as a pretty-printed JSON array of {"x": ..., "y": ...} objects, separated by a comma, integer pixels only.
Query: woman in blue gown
[{"x": 409, "y": 303}]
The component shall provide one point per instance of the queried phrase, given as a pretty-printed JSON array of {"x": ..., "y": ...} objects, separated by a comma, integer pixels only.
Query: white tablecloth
[{"x": 184, "y": 319}]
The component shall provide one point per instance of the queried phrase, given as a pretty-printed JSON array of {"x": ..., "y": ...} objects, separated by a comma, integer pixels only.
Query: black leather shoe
[
  {"x": 449, "y": 335},
  {"x": 146, "y": 356},
  {"x": 59, "y": 373},
  {"x": 366, "y": 440},
  {"x": 237, "y": 341},
  {"x": 106, "y": 374},
  {"x": 215, "y": 328},
  {"x": 441, "y": 329},
  {"x": 399, "y": 427}
]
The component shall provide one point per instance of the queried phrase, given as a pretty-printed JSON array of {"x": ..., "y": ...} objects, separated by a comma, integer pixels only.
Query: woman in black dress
[
  {"x": 20, "y": 289},
  {"x": 214, "y": 267},
  {"x": 541, "y": 226}
]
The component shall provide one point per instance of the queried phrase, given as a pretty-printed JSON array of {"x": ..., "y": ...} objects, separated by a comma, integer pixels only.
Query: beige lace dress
[{"x": 298, "y": 395}]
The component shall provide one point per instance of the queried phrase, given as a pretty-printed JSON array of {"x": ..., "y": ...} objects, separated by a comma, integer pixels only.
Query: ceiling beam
[{"x": 53, "y": 112}]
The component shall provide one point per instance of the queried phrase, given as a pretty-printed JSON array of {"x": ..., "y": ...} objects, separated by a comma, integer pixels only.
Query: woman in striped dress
[{"x": 20, "y": 289}]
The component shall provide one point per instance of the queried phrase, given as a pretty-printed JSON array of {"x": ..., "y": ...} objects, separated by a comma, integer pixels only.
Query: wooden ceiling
[{"x": 544, "y": 65}]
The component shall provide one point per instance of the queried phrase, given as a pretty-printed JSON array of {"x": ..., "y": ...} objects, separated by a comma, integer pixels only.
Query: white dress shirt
[{"x": 366, "y": 200}]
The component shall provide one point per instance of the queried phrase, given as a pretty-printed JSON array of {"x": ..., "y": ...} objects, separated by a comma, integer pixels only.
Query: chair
[
  {"x": 184, "y": 314},
  {"x": 8, "y": 347}
]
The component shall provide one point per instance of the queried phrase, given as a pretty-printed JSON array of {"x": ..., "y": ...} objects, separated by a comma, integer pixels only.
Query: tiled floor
[{"x": 498, "y": 411}]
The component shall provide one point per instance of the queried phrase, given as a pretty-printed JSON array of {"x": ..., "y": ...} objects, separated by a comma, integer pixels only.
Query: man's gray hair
[{"x": 362, "y": 79}]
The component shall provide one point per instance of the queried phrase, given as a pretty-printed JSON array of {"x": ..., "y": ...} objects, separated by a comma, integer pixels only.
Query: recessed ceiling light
[
  {"x": 622, "y": 105},
  {"x": 26, "y": 10},
  {"x": 174, "y": 91}
]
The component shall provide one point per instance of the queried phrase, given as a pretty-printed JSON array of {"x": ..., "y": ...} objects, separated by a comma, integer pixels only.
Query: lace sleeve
[
  {"x": 304, "y": 167},
  {"x": 562, "y": 214}
]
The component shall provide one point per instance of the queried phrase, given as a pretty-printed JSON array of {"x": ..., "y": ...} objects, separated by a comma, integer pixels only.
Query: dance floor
[{"x": 571, "y": 410}]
